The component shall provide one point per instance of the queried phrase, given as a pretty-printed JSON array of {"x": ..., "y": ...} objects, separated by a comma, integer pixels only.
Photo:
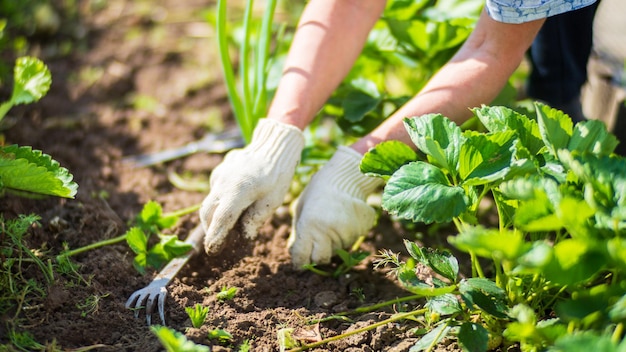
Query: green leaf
[
  {"x": 28, "y": 170},
  {"x": 419, "y": 191},
  {"x": 150, "y": 215},
  {"x": 535, "y": 259},
  {"x": 617, "y": 311},
  {"x": 490, "y": 243},
  {"x": 412, "y": 283},
  {"x": 583, "y": 342},
  {"x": 364, "y": 98},
  {"x": 386, "y": 158},
  {"x": 32, "y": 80},
  {"x": 506, "y": 208},
  {"x": 592, "y": 136},
  {"x": 605, "y": 185},
  {"x": 137, "y": 240},
  {"x": 173, "y": 246},
  {"x": 486, "y": 295},
  {"x": 555, "y": 127},
  {"x": 220, "y": 335},
  {"x": 437, "y": 137},
  {"x": 444, "y": 305},
  {"x": 502, "y": 119},
  {"x": 574, "y": 261},
  {"x": 473, "y": 337},
  {"x": 174, "y": 341},
  {"x": 486, "y": 158},
  {"x": 169, "y": 247},
  {"x": 140, "y": 262},
  {"x": 431, "y": 339},
  {"x": 442, "y": 262}
]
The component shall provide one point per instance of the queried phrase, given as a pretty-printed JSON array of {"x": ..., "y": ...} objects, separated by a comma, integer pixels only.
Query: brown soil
[{"x": 162, "y": 52}]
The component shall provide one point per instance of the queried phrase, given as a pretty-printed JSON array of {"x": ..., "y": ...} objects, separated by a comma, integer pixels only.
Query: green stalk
[
  {"x": 227, "y": 69},
  {"x": 394, "y": 318},
  {"x": 263, "y": 50},
  {"x": 367, "y": 309},
  {"x": 184, "y": 211},
  {"x": 94, "y": 245},
  {"x": 244, "y": 68}
]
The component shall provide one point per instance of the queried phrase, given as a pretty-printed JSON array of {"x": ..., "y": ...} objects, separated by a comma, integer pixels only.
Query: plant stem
[
  {"x": 392, "y": 319},
  {"x": 244, "y": 64},
  {"x": 367, "y": 309},
  {"x": 95, "y": 245},
  {"x": 227, "y": 69},
  {"x": 263, "y": 48},
  {"x": 184, "y": 211}
]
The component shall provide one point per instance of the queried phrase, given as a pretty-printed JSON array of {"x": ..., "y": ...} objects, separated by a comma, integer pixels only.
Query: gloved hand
[
  {"x": 331, "y": 213},
  {"x": 250, "y": 183}
]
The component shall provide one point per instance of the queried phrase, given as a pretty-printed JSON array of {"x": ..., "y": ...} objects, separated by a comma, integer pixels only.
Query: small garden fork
[{"x": 156, "y": 292}]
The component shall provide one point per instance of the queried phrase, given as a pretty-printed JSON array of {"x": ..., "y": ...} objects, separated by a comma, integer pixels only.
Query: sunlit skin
[{"x": 331, "y": 35}]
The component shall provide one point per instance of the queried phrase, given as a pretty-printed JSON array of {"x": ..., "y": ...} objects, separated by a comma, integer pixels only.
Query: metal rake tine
[
  {"x": 139, "y": 303},
  {"x": 159, "y": 300},
  {"x": 161, "y": 307}
]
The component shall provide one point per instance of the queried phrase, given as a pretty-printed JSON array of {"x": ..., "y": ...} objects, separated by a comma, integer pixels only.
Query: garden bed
[{"x": 141, "y": 77}]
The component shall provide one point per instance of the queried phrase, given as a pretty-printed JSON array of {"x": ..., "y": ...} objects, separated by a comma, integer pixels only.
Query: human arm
[
  {"x": 251, "y": 182},
  {"x": 474, "y": 76},
  {"x": 329, "y": 38}
]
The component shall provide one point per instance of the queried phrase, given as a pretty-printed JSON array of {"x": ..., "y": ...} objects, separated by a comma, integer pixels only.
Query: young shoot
[
  {"x": 197, "y": 314},
  {"x": 227, "y": 293},
  {"x": 220, "y": 335}
]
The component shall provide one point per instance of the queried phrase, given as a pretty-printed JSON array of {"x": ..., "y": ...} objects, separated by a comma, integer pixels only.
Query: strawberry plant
[
  {"x": 24, "y": 170},
  {"x": 556, "y": 256},
  {"x": 150, "y": 221}
]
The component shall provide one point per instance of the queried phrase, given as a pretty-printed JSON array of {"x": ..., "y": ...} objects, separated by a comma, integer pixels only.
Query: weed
[{"x": 91, "y": 304}]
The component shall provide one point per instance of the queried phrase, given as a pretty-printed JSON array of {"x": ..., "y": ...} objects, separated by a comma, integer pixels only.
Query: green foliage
[
  {"x": 248, "y": 90},
  {"x": 227, "y": 293},
  {"x": 197, "y": 314},
  {"x": 220, "y": 335},
  {"x": 411, "y": 41},
  {"x": 29, "y": 171},
  {"x": 31, "y": 81},
  {"x": 23, "y": 169},
  {"x": 152, "y": 221},
  {"x": 560, "y": 197},
  {"x": 174, "y": 341}
]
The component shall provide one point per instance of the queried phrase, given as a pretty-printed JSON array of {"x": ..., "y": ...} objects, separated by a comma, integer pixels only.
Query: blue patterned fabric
[{"x": 520, "y": 11}]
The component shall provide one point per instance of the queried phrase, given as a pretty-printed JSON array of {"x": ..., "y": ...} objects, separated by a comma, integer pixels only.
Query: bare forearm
[
  {"x": 329, "y": 38},
  {"x": 474, "y": 76}
]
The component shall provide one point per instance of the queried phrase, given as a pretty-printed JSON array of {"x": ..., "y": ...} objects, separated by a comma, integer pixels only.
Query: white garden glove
[
  {"x": 331, "y": 213},
  {"x": 250, "y": 183}
]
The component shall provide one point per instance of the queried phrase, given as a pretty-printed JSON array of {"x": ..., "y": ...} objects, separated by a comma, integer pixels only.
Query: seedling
[
  {"x": 197, "y": 314},
  {"x": 245, "y": 346},
  {"x": 150, "y": 221},
  {"x": 220, "y": 335},
  {"x": 227, "y": 293}
]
